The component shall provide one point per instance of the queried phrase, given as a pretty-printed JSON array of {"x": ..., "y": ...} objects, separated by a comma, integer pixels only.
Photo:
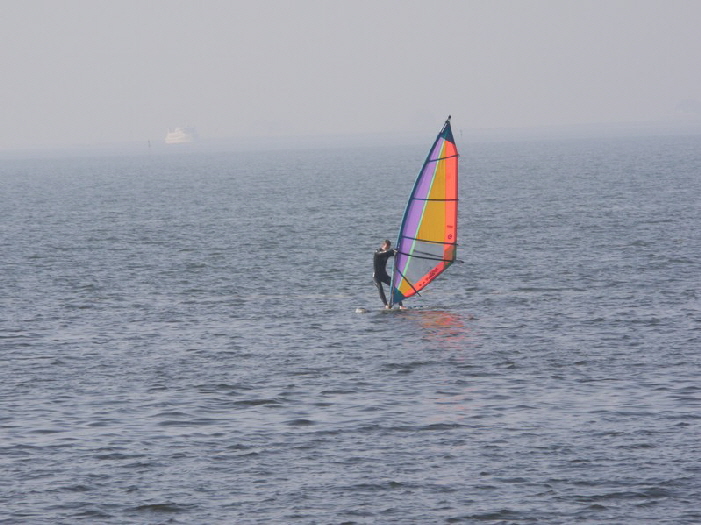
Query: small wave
[
  {"x": 258, "y": 402},
  {"x": 439, "y": 427},
  {"x": 188, "y": 423},
  {"x": 378, "y": 487},
  {"x": 504, "y": 514},
  {"x": 648, "y": 493},
  {"x": 163, "y": 507},
  {"x": 407, "y": 368},
  {"x": 117, "y": 456},
  {"x": 300, "y": 422},
  {"x": 77, "y": 488},
  {"x": 93, "y": 515}
]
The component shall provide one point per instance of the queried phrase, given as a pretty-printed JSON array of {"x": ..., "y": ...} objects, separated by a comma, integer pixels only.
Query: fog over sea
[{"x": 179, "y": 340}]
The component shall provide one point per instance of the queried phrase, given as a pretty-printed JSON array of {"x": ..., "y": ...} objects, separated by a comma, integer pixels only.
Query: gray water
[{"x": 179, "y": 341}]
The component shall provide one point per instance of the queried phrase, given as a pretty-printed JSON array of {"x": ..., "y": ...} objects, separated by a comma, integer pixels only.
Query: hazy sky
[{"x": 94, "y": 71}]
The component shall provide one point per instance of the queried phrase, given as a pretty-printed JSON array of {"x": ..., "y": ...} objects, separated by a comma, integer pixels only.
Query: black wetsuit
[{"x": 379, "y": 275}]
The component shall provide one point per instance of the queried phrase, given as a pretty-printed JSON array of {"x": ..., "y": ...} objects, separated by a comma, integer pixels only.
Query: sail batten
[
  {"x": 427, "y": 241},
  {"x": 437, "y": 200},
  {"x": 434, "y": 242},
  {"x": 428, "y": 258}
]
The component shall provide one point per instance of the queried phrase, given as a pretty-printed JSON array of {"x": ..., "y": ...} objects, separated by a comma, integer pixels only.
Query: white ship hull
[{"x": 181, "y": 136}]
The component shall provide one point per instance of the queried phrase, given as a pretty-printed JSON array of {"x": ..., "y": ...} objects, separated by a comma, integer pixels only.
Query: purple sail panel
[
  {"x": 415, "y": 208},
  {"x": 423, "y": 184}
]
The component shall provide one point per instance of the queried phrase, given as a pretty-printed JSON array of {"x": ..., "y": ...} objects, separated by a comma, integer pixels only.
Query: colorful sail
[{"x": 427, "y": 242}]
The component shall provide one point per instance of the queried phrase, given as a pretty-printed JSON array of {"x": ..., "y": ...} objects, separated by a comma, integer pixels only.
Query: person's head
[{"x": 386, "y": 245}]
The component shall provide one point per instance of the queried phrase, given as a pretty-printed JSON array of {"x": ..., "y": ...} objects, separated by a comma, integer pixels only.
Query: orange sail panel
[{"x": 427, "y": 242}]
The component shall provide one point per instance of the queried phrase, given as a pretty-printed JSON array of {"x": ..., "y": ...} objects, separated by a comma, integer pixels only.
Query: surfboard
[{"x": 380, "y": 310}]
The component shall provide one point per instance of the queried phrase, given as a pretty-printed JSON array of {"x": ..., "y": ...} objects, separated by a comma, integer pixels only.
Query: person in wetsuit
[{"x": 379, "y": 275}]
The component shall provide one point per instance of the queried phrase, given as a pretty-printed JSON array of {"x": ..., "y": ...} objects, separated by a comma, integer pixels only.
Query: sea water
[{"x": 179, "y": 340}]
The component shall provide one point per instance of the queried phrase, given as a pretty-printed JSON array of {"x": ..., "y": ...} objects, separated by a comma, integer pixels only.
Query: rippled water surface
[{"x": 179, "y": 342}]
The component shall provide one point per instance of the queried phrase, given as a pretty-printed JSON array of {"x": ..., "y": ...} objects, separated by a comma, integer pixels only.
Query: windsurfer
[{"x": 379, "y": 276}]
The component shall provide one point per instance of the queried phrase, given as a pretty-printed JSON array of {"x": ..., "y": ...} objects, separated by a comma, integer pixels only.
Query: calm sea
[{"x": 179, "y": 342}]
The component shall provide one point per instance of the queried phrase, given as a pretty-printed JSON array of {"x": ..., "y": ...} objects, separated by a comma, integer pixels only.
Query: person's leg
[
  {"x": 378, "y": 283},
  {"x": 386, "y": 279},
  {"x": 388, "y": 282}
]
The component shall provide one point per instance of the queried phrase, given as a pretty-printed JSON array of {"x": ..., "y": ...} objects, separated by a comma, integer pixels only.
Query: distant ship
[{"x": 181, "y": 136}]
